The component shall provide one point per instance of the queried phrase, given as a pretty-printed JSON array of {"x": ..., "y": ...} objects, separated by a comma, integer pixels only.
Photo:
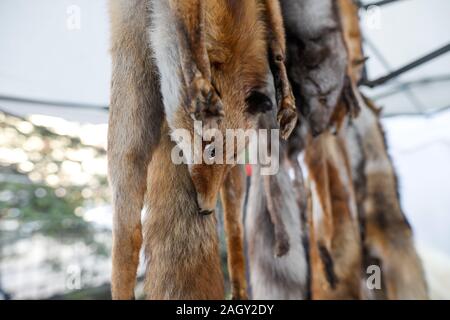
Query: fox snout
[
  {"x": 207, "y": 180},
  {"x": 204, "y": 208},
  {"x": 206, "y": 212}
]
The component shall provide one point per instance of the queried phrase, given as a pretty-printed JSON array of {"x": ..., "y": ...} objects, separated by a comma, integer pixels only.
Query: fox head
[
  {"x": 238, "y": 57},
  {"x": 210, "y": 152}
]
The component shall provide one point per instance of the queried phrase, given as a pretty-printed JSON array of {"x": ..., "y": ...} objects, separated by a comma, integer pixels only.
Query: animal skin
[
  {"x": 232, "y": 196},
  {"x": 316, "y": 58},
  {"x": 355, "y": 221},
  {"x": 385, "y": 232},
  {"x": 316, "y": 63},
  {"x": 135, "y": 119},
  {"x": 233, "y": 45},
  {"x": 353, "y": 218},
  {"x": 335, "y": 246},
  {"x": 274, "y": 275},
  {"x": 386, "y": 235},
  {"x": 175, "y": 61},
  {"x": 180, "y": 246}
]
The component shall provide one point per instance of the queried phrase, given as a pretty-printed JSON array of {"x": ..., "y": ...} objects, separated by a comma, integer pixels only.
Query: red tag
[{"x": 248, "y": 170}]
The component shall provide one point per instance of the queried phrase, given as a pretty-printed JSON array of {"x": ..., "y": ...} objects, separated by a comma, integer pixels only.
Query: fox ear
[{"x": 258, "y": 102}]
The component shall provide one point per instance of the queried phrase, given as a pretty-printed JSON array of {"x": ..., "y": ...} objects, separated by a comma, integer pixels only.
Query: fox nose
[
  {"x": 204, "y": 208},
  {"x": 205, "y": 212}
]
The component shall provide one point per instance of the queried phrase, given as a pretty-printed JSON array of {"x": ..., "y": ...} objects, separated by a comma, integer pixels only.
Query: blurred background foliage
[
  {"x": 47, "y": 181},
  {"x": 50, "y": 187}
]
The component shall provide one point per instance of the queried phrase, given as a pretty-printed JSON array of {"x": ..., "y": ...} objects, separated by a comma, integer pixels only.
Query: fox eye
[
  {"x": 210, "y": 151},
  {"x": 258, "y": 102}
]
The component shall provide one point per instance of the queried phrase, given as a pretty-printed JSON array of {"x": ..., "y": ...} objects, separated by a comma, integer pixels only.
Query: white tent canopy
[
  {"x": 400, "y": 33},
  {"x": 45, "y": 56}
]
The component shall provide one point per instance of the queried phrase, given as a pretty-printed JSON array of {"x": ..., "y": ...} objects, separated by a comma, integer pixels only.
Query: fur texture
[
  {"x": 135, "y": 120},
  {"x": 181, "y": 246},
  {"x": 336, "y": 258},
  {"x": 386, "y": 234},
  {"x": 273, "y": 276},
  {"x": 316, "y": 58},
  {"x": 174, "y": 61}
]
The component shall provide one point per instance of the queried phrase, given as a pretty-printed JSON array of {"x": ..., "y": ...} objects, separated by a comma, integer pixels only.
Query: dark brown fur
[{"x": 275, "y": 218}]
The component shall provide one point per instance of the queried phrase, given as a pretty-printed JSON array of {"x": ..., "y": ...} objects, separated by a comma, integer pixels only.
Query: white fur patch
[
  {"x": 164, "y": 42},
  {"x": 317, "y": 207}
]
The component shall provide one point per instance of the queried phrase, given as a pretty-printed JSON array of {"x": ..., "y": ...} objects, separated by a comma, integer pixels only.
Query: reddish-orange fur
[
  {"x": 223, "y": 47},
  {"x": 387, "y": 236},
  {"x": 181, "y": 246},
  {"x": 134, "y": 129},
  {"x": 232, "y": 196},
  {"x": 334, "y": 236}
]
